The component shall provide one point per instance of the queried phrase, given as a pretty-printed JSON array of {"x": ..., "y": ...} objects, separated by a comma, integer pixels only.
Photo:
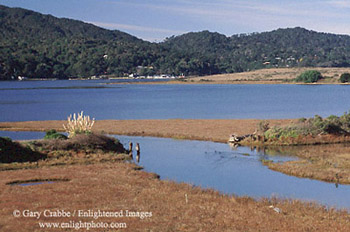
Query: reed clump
[{"x": 78, "y": 124}]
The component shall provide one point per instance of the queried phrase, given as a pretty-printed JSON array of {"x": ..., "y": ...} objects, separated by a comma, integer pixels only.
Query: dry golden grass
[
  {"x": 271, "y": 76},
  {"x": 329, "y": 163},
  {"x": 119, "y": 186},
  {"x": 61, "y": 157},
  {"x": 218, "y": 130}
]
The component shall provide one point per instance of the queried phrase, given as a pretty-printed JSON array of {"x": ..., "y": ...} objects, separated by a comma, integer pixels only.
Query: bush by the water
[
  {"x": 313, "y": 126},
  {"x": 11, "y": 151},
  {"x": 282, "y": 132},
  {"x": 309, "y": 76},
  {"x": 345, "y": 77},
  {"x": 83, "y": 142},
  {"x": 53, "y": 134}
]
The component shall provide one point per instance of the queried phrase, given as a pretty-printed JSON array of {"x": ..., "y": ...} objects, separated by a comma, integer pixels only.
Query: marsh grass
[
  {"x": 174, "y": 206},
  {"x": 330, "y": 163}
]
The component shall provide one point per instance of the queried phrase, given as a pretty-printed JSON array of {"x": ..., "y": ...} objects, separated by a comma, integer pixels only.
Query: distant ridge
[
  {"x": 35, "y": 45},
  {"x": 27, "y": 23}
]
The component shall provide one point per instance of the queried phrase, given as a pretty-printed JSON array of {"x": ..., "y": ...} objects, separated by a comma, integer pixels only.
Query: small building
[{"x": 20, "y": 78}]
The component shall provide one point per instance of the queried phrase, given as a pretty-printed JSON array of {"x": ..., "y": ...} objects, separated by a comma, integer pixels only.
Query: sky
[{"x": 155, "y": 20}]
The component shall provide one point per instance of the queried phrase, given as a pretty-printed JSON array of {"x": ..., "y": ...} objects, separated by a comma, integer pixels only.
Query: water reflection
[{"x": 138, "y": 152}]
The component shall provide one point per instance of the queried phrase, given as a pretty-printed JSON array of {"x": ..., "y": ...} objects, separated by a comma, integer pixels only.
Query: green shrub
[
  {"x": 283, "y": 132},
  {"x": 312, "y": 126},
  {"x": 318, "y": 125},
  {"x": 345, "y": 121},
  {"x": 345, "y": 77},
  {"x": 52, "y": 134},
  {"x": 309, "y": 76}
]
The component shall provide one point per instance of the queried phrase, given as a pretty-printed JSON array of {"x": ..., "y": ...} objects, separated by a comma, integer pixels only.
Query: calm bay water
[
  {"x": 206, "y": 164},
  {"x": 216, "y": 165},
  {"x": 55, "y": 100}
]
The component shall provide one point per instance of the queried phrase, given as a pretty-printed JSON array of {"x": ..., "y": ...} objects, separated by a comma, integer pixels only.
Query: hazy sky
[{"x": 155, "y": 20}]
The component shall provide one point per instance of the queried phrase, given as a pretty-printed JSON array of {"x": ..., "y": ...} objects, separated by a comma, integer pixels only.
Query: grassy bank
[
  {"x": 330, "y": 163},
  {"x": 174, "y": 206},
  {"x": 81, "y": 149},
  {"x": 327, "y": 163}
]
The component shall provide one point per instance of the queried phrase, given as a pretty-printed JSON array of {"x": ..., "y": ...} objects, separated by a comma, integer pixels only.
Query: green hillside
[
  {"x": 280, "y": 48},
  {"x": 43, "y": 46}
]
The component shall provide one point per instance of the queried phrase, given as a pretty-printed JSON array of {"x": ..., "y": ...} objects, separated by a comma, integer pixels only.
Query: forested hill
[
  {"x": 278, "y": 48},
  {"x": 42, "y": 46}
]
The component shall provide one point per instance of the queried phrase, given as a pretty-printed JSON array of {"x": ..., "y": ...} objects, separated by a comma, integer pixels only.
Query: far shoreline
[{"x": 271, "y": 75}]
